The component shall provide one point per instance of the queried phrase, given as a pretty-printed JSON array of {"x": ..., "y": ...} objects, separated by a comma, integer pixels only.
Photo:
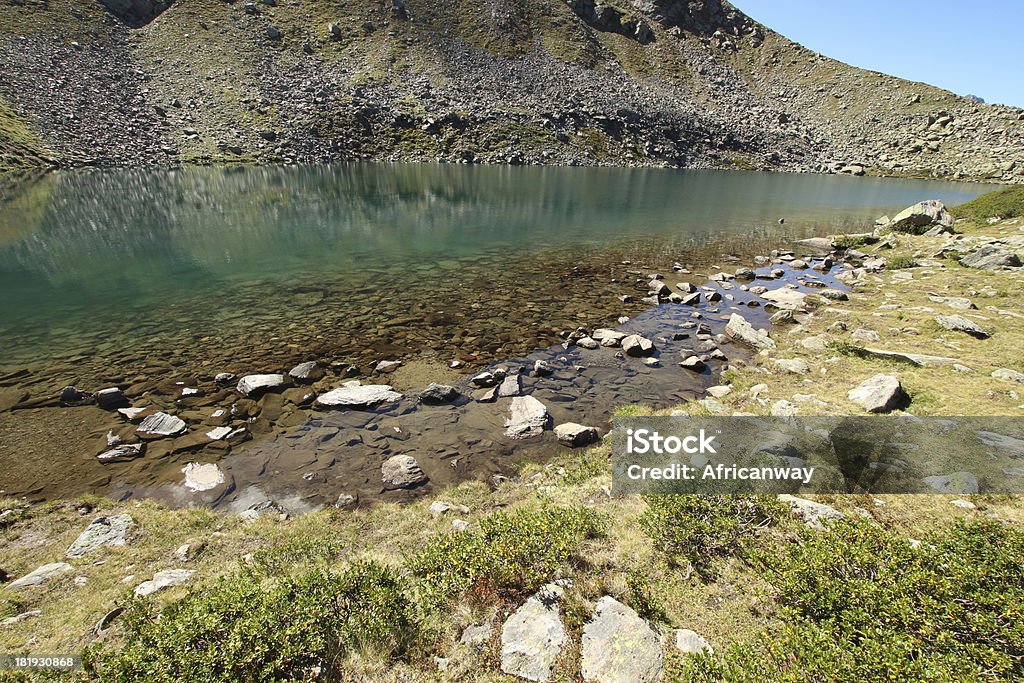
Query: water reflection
[{"x": 77, "y": 244}]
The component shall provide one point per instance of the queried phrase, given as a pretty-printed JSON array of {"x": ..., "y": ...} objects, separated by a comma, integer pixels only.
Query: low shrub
[
  {"x": 245, "y": 629},
  {"x": 512, "y": 553},
  {"x": 862, "y": 603},
  {"x": 700, "y": 528},
  {"x": 900, "y": 262}
]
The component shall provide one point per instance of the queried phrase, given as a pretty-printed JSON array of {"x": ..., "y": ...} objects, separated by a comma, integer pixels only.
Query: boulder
[
  {"x": 42, "y": 575},
  {"x": 991, "y": 257},
  {"x": 957, "y": 482},
  {"x": 307, "y": 372},
  {"x": 575, "y": 435},
  {"x": 122, "y": 452},
  {"x": 793, "y": 366},
  {"x": 812, "y": 514},
  {"x": 252, "y": 386},
  {"x": 1008, "y": 375},
  {"x": 659, "y": 288},
  {"x": 739, "y": 329},
  {"x": 879, "y": 394},
  {"x": 834, "y": 295},
  {"x": 542, "y": 368},
  {"x": 690, "y": 643},
  {"x": 637, "y": 346},
  {"x": 510, "y": 386},
  {"x": 161, "y": 425},
  {"x": 619, "y": 647},
  {"x": 587, "y": 343},
  {"x": 786, "y": 298},
  {"x": 111, "y": 398},
  {"x": 922, "y": 217},
  {"x": 958, "y": 323},
  {"x": 694, "y": 363},
  {"x": 402, "y": 471},
  {"x": 532, "y": 637},
  {"x": 438, "y": 394},
  {"x": 103, "y": 531},
  {"x": 609, "y": 338},
  {"x": 164, "y": 579},
  {"x": 358, "y": 396},
  {"x": 386, "y": 367},
  {"x": 528, "y": 417}
]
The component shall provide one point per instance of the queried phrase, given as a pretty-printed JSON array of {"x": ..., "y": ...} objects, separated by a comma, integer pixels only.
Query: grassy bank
[{"x": 901, "y": 588}]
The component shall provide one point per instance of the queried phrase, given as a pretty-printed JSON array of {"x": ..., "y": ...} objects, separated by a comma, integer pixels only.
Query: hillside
[{"x": 648, "y": 82}]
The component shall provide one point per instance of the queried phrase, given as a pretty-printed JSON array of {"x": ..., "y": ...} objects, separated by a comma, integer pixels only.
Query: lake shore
[{"x": 894, "y": 286}]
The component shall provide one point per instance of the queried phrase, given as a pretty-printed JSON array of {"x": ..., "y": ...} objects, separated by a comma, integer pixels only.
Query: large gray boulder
[
  {"x": 532, "y": 638},
  {"x": 958, "y": 323},
  {"x": 402, "y": 471},
  {"x": 991, "y": 257},
  {"x": 620, "y": 647},
  {"x": 527, "y": 417},
  {"x": 636, "y": 346},
  {"x": 42, "y": 575},
  {"x": 922, "y": 217},
  {"x": 575, "y": 435},
  {"x": 740, "y": 330},
  {"x": 879, "y": 394},
  {"x": 102, "y": 532}
]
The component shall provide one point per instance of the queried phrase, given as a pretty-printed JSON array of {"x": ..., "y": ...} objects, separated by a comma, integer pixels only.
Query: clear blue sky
[{"x": 970, "y": 47}]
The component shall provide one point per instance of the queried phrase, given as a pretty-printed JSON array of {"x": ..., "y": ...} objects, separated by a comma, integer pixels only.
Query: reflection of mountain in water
[{"x": 125, "y": 233}]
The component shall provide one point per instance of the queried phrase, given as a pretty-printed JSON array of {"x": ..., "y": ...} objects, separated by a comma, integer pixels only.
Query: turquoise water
[{"x": 85, "y": 254}]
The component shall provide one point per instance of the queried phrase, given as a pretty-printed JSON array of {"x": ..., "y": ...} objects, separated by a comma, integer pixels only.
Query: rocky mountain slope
[{"x": 644, "y": 82}]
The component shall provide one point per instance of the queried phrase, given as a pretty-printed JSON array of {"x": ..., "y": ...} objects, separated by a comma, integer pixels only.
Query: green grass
[{"x": 1008, "y": 203}]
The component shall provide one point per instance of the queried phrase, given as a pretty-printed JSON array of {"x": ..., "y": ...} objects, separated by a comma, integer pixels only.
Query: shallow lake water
[{"x": 155, "y": 280}]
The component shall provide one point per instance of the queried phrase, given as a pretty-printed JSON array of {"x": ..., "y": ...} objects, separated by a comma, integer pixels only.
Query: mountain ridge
[{"x": 649, "y": 82}]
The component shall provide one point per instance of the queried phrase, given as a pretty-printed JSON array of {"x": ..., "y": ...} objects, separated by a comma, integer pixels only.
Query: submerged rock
[
  {"x": 252, "y": 386},
  {"x": 111, "y": 398},
  {"x": 103, "y": 531},
  {"x": 309, "y": 371},
  {"x": 619, "y": 647},
  {"x": 402, "y": 471},
  {"x": 532, "y": 637},
  {"x": 161, "y": 425},
  {"x": 358, "y": 396},
  {"x": 438, "y": 394},
  {"x": 122, "y": 452},
  {"x": 202, "y": 477},
  {"x": 528, "y": 417}
]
